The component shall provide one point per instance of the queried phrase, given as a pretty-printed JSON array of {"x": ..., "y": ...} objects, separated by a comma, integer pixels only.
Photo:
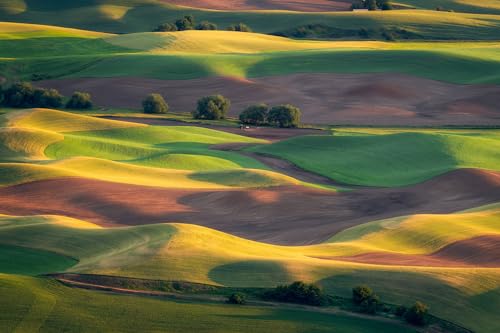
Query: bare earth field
[
  {"x": 296, "y": 5},
  {"x": 346, "y": 99},
  {"x": 281, "y": 215}
]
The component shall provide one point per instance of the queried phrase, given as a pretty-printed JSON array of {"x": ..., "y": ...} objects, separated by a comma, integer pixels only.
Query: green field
[
  {"x": 390, "y": 158},
  {"x": 61, "y": 144},
  {"x": 42, "y": 305},
  {"x": 192, "y": 253},
  {"x": 144, "y": 15},
  {"x": 413, "y": 250},
  {"x": 172, "y": 56}
]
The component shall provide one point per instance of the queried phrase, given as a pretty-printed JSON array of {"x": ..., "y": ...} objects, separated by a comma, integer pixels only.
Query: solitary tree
[
  {"x": 212, "y": 107},
  {"x": 417, "y": 314},
  {"x": 364, "y": 297},
  {"x": 154, "y": 103},
  {"x": 284, "y": 116},
  {"x": 205, "y": 25},
  {"x": 236, "y": 298},
  {"x": 79, "y": 100},
  {"x": 255, "y": 114},
  {"x": 239, "y": 27}
]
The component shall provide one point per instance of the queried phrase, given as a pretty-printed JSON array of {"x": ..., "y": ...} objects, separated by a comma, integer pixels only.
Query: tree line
[
  {"x": 373, "y": 4},
  {"x": 363, "y": 300},
  {"x": 188, "y": 22},
  {"x": 216, "y": 107},
  {"x": 24, "y": 95}
]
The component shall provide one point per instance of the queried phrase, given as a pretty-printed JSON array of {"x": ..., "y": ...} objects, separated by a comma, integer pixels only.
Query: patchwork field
[{"x": 377, "y": 163}]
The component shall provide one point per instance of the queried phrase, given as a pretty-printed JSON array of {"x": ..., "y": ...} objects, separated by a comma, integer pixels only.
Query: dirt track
[
  {"x": 296, "y": 5},
  {"x": 357, "y": 99},
  {"x": 284, "y": 215},
  {"x": 265, "y": 133},
  {"x": 481, "y": 251}
]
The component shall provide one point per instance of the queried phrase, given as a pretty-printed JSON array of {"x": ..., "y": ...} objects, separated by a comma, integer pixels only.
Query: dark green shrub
[
  {"x": 284, "y": 116},
  {"x": 255, "y": 114},
  {"x": 236, "y": 298},
  {"x": 361, "y": 293},
  {"x": 47, "y": 98},
  {"x": 205, "y": 25},
  {"x": 212, "y": 107},
  {"x": 165, "y": 27},
  {"x": 417, "y": 314},
  {"x": 185, "y": 23},
  {"x": 154, "y": 103},
  {"x": 19, "y": 95},
  {"x": 365, "y": 299},
  {"x": 298, "y": 292},
  {"x": 239, "y": 27},
  {"x": 371, "y": 4},
  {"x": 79, "y": 101}
]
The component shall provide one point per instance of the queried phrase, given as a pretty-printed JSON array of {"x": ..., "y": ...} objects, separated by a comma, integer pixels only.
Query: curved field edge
[
  {"x": 173, "y": 157},
  {"x": 145, "y": 15},
  {"x": 389, "y": 158},
  {"x": 46, "y": 305},
  {"x": 197, "y": 254}
]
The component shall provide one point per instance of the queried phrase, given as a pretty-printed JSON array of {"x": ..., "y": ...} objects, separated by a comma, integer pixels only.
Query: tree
[
  {"x": 212, "y": 107},
  {"x": 361, "y": 293},
  {"x": 165, "y": 27},
  {"x": 255, "y": 114},
  {"x": 298, "y": 292},
  {"x": 185, "y": 23},
  {"x": 366, "y": 300},
  {"x": 239, "y": 27},
  {"x": 79, "y": 100},
  {"x": 417, "y": 314},
  {"x": 19, "y": 95},
  {"x": 154, "y": 103},
  {"x": 1, "y": 95},
  {"x": 285, "y": 116},
  {"x": 205, "y": 25},
  {"x": 371, "y": 4},
  {"x": 237, "y": 298},
  {"x": 47, "y": 98}
]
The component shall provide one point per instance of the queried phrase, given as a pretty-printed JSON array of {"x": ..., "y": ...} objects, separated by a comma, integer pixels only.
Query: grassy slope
[
  {"x": 193, "y": 253},
  {"x": 466, "y": 6},
  {"x": 177, "y": 56},
  {"x": 390, "y": 158},
  {"x": 45, "y": 306},
  {"x": 39, "y": 134},
  {"x": 144, "y": 15}
]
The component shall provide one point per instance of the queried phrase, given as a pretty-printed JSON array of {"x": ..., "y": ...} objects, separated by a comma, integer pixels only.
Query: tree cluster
[
  {"x": 368, "y": 302},
  {"x": 242, "y": 27},
  {"x": 24, "y": 95},
  {"x": 213, "y": 107},
  {"x": 373, "y": 4},
  {"x": 280, "y": 116},
  {"x": 298, "y": 292},
  {"x": 188, "y": 22}
]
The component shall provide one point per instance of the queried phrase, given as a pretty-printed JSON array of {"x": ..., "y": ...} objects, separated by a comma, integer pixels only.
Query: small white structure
[{"x": 360, "y": 10}]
